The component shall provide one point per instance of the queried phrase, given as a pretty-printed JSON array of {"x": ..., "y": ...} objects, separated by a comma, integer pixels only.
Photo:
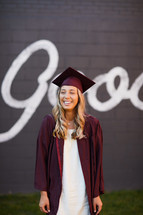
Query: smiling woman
[
  {"x": 69, "y": 170},
  {"x": 70, "y": 105}
]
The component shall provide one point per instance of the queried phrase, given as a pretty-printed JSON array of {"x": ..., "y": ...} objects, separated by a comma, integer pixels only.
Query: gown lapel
[{"x": 60, "y": 146}]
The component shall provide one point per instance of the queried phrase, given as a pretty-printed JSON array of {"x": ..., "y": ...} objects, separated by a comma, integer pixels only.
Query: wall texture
[{"x": 93, "y": 36}]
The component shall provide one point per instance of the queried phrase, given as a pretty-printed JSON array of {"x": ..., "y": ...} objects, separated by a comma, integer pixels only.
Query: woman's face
[{"x": 68, "y": 97}]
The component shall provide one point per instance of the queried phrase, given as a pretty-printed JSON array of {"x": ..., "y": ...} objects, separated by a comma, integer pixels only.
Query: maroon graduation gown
[{"x": 49, "y": 161}]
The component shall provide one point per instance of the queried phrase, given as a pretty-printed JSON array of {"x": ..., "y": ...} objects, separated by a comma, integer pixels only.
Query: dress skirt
[{"x": 73, "y": 199}]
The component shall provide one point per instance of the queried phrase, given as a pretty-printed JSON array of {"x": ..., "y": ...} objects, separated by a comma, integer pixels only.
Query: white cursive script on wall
[
  {"x": 30, "y": 105},
  {"x": 117, "y": 95}
]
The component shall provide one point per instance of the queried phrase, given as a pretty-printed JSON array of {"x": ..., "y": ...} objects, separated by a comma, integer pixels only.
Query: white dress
[{"x": 73, "y": 199}]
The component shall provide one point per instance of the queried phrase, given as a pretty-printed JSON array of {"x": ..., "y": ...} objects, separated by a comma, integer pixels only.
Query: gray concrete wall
[{"x": 94, "y": 37}]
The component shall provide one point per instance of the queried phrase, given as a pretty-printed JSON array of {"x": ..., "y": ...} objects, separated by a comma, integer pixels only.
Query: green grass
[
  {"x": 123, "y": 203},
  {"x": 114, "y": 203}
]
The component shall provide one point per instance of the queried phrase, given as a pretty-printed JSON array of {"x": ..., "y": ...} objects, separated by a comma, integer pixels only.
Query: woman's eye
[{"x": 72, "y": 92}]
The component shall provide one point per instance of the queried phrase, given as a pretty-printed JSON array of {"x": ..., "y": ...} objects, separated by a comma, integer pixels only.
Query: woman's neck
[
  {"x": 70, "y": 119},
  {"x": 69, "y": 115}
]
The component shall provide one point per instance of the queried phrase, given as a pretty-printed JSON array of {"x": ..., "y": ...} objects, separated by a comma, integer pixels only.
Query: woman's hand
[
  {"x": 44, "y": 202},
  {"x": 97, "y": 205}
]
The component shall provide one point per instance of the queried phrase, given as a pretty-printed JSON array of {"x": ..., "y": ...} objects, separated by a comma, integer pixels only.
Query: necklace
[{"x": 70, "y": 122}]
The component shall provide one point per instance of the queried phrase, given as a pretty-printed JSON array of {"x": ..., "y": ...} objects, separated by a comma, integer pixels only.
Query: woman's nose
[{"x": 67, "y": 95}]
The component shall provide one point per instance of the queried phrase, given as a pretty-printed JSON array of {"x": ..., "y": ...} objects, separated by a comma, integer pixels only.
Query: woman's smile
[{"x": 67, "y": 102}]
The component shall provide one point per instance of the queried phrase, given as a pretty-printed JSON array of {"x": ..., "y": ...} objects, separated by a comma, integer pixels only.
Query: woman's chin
[{"x": 68, "y": 107}]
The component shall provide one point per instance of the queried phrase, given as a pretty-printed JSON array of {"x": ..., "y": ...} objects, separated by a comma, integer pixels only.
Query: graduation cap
[{"x": 71, "y": 77}]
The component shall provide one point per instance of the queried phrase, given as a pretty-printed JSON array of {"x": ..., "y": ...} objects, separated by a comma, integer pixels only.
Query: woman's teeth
[{"x": 67, "y": 103}]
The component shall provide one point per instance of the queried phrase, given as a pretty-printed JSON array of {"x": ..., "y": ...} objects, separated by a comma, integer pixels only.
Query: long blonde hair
[{"x": 61, "y": 123}]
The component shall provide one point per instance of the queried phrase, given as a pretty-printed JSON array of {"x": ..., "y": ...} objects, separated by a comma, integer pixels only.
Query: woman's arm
[
  {"x": 98, "y": 167},
  {"x": 44, "y": 202},
  {"x": 97, "y": 205},
  {"x": 41, "y": 167}
]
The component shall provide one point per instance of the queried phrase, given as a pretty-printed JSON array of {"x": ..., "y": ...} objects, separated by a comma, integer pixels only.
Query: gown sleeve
[
  {"x": 41, "y": 167},
  {"x": 97, "y": 139}
]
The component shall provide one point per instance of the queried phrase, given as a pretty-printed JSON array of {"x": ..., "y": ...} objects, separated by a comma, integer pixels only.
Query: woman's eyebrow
[
  {"x": 69, "y": 90},
  {"x": 72, "y": 90}
]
